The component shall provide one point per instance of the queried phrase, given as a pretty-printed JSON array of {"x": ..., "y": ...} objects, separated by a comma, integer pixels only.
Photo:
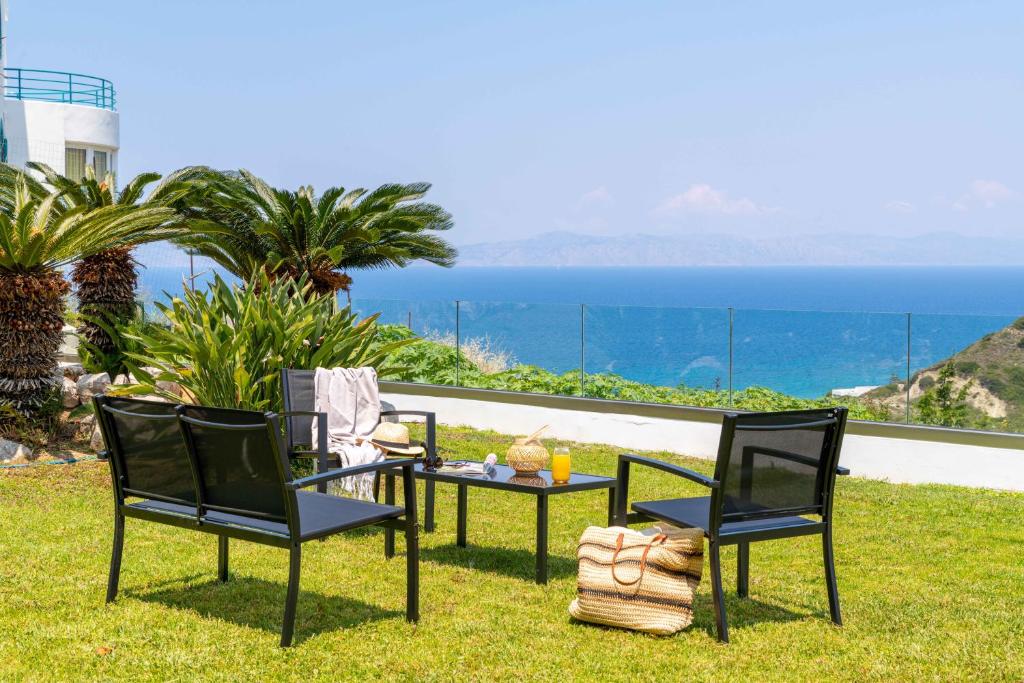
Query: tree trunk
[
  {"x": 105, "y": 285},
  {"x": 31, "y": 331}
]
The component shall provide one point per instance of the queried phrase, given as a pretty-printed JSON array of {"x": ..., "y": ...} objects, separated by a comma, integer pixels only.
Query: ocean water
[{"x": 802, "y": 331}]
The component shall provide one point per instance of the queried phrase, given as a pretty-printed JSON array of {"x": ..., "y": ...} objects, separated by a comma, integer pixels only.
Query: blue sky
[{"x": 597, "y": 117}]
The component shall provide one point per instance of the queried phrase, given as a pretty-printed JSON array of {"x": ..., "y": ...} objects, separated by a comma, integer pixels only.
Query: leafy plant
[
  {"x": 226, "y": 346},
  {"x": 943, "y": 403},
  {"x": 106, "y": 282},
  {"x": 39, "y": 234},
  {"x": 245, "y": 225}
]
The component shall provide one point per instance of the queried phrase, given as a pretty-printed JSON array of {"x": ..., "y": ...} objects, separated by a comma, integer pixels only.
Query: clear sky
[{"x": 598, "y": 117}]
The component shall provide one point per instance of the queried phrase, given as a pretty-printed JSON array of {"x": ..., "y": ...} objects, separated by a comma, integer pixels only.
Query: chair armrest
[
  {"x": 331, "y": 475},
  {"x": 431, "y": 443},
  {"x": 695, "y": 477}
]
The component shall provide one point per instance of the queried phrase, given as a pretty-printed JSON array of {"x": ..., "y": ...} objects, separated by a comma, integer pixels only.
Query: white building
[{"x": 63, "y": 119}]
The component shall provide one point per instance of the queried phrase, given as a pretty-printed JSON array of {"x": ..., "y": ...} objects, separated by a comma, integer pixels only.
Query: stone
[
  {"x": 71, "y": 370},
  {"x": 91, "y": 384},
  {"x": 70, "y": 391},
  {"x": 96, "y": 440},
  {"x": 14, "y": 453}
]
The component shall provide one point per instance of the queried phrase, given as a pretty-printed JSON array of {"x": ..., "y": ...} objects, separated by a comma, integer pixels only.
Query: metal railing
[{"x": 59, "y": 86}]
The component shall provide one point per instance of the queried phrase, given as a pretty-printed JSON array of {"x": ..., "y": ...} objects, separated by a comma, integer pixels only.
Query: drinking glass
[{"x": 560, "y": 465}]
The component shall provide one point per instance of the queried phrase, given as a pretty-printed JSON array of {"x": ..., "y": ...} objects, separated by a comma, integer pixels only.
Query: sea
[{"x": 804, "y": 331}]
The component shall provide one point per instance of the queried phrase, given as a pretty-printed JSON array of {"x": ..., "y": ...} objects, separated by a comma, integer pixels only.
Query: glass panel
[
  {"x": 74, "y": 163},
  {"x": 99, "y": 164},
  {"x": 967, "y": 371},
  {"x": 658, "y": 355},
  {"x": 165, "y": 270},
  {"x": 432, "y": 361},
  {"x": 858, "y": 359},
  {"x": 520, "y": 347}
]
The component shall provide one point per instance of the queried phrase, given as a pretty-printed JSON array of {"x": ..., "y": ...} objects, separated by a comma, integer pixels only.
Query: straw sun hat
[{"x": 393, "y": 437}]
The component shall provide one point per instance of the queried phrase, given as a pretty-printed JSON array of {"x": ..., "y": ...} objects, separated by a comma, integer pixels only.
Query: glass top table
[{"x": 503, "y": 477}]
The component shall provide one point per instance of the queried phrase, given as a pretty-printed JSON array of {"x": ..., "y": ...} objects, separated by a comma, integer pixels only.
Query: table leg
[
  {"x": 542, "y": 538},
  {"x": 428, "y": 504},
  {"x": 611, "y": 507},
  {"x": 460, "y": 534},
  {"x": 389, "y": 499}
]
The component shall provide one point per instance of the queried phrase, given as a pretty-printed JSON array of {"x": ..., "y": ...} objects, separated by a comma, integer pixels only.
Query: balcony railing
[{"x": 59, "y": 86}]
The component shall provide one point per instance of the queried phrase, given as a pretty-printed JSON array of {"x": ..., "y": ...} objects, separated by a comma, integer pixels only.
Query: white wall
[
  {"x": 39, "y": 131},
  {"x": 875, "y": 457}
]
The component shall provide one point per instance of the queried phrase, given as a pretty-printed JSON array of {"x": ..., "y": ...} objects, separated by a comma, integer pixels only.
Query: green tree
[
  {"x": 39, "y": 235},
  {"x": 105, "y": 282},
  {"x": 245, "y": 225},
  {"x": 943, "y": 403}
]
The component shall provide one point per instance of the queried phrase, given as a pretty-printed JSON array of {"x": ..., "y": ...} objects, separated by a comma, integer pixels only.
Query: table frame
[{"x": 462, "y": 514}]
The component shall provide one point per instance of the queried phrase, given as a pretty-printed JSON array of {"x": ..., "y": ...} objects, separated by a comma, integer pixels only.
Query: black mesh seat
[
  {"x": 694, "y": 512},
  {"x": 319, "y": 515},
  {"x": 227, "y": 472},
  {"x": 774, "y": 478}
]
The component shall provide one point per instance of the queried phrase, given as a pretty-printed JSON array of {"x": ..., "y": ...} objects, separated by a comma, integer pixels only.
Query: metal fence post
[
  {"x": 730, "y": 354},
  {"x": 908, "y": 366},
  {"x": 583, "y": 349},
  {"x": 458, "y": 343}
]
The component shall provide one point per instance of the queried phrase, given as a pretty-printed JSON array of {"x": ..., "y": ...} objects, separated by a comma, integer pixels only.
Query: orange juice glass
[{"x": 560, "y": 466}]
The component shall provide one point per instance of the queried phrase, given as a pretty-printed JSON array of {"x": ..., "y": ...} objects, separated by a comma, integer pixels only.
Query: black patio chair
[
  {"x": 775, "y": 472},
  {"x": 300, "y": 405},
  {"x": 227, "y": 472}
]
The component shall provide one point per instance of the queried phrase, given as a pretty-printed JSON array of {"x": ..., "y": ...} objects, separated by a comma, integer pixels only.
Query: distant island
[{"x": 574, "y": 249}]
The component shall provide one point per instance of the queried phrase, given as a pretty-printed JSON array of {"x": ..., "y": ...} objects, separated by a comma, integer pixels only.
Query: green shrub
[{"x": 226, "y": 346}]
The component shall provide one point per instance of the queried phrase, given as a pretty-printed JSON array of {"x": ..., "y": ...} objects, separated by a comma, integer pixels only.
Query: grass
[{"x": 931, "y": 580}]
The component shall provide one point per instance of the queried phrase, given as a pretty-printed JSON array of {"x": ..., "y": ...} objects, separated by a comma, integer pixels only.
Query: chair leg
[
  {"x": 743, "y": 569},
  {"x": 222, "y": 558},
  {"x": 294, "y": 564},
  {"x": 115, "y": 557},
  {"x": 412, "y": 571},
  {"x": 830, "y": 576},
  {"x": 389, "y": 499},
  {"x": 376, "y": 487},
  {"x": 716, "y": 592}
]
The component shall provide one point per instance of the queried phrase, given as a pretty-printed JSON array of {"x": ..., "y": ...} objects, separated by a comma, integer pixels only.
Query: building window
[
  {"x": 99, "y": 164},
  {"x": 74, "y": 163}
]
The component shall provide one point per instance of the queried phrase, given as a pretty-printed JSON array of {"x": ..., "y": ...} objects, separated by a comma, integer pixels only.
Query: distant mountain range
[{"x": 573, "y": 249}]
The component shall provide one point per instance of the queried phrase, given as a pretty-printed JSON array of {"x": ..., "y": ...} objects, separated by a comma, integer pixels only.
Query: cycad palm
[
  {"x": 295, "y": 233},
  {"x": 106, "y": 281},
  {"x": 39, "y": 234}
]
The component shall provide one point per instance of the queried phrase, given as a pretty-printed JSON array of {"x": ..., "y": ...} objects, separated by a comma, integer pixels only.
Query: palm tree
[
  {"x": 39, "y": 234},
  {"x": 252, "y": 226},
  {"x": 106, "y": 281}
]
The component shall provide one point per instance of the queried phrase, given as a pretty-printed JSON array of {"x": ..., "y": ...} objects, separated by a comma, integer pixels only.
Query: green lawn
[{"x": 931, "y": 580}]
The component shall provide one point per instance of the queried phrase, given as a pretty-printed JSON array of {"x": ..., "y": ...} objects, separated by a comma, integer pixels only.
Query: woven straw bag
[{"x": 643, "y": 581}]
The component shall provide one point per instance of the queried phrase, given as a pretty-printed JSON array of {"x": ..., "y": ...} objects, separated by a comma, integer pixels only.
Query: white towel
[{"x": 351, "y": 400}]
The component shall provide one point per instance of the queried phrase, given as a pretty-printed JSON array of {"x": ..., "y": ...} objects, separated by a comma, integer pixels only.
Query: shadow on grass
[
  {"x": 741, "y": 613},
  {"x": 520, "y": 564},
  {"x": 259, "y": 604}
]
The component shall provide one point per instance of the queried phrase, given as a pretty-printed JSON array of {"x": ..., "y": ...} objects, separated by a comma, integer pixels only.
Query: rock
[
  {"x": 96, "y": 440},
  {"x": 71, "y": 370},
  {"x": 14, "y": 453},
  {"x": 90, "y": 385},
  {"x": 70, "y": 390}
]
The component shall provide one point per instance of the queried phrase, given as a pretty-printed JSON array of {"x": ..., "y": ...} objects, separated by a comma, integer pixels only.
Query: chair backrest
[
  {"x": 147, "y": 453},
  {"x": 777, "y": 464},
  {"x": 298, "y": 392},
  {"x": 239, "y": 462}
]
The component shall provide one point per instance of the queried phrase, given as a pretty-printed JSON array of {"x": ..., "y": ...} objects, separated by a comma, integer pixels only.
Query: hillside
[
  {"x": 710, "y": 249},
  {"x": 991, "y": 368}
]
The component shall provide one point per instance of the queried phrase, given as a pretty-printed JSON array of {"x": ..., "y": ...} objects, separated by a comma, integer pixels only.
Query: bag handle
[{"x": 643, "y": 558}]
